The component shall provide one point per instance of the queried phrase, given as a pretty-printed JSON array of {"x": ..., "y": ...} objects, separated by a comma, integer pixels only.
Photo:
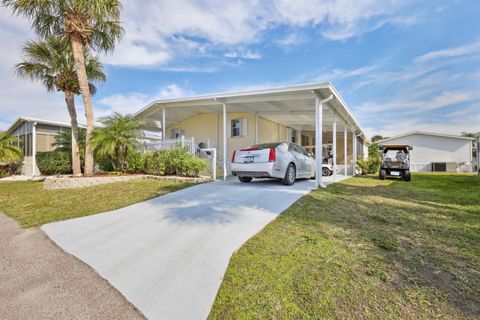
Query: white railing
[{"x": 172, "y": 143}]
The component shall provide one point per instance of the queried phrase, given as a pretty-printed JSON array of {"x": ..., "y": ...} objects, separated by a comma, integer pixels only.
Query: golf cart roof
[{"x": 405, "y": 147}]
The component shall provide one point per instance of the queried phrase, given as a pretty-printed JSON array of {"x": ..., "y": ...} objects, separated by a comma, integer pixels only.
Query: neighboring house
[
  {"x": 436, "y": 151},
  {"x": 35, "y": 135},
  {"x": 229, "y": 121}
]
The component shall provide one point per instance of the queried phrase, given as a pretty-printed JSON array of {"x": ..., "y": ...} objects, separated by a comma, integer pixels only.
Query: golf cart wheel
[
  {"x": 245, "y": 179},
  {"x": 383, "y": 174},
  {"x": 326, "y": 172},
  {"x": 290, "y": 175},
  {"x": 407, "y": 176}
]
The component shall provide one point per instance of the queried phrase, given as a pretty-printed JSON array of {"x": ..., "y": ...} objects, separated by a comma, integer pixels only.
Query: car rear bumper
[{"x": 256, "y": 170}]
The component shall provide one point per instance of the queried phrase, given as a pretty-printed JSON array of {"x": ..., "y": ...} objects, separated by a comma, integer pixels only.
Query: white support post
[
  {"x": 318, "y": 142},
  {"x": 34, "y": 148},
  {"x": 354, "y": 156},
  {"x": 334, "y": 146},
  {"x": 256, "y": 128},
  {"x": 345, "y": 155},
  {"x": 182, "y": 141},
  {"x": 192, "y": 146},
  {"x": 164, "y": 129},
  {"x": 224, "y": 141},
  {"x": 214, "y": 164}
]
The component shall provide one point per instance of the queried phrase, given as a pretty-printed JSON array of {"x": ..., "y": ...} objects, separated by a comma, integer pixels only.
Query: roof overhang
[
  {"x": 21, "y": 120},
  {"x": 292, "y": 106},
  {"x": 426, "y": 134}
]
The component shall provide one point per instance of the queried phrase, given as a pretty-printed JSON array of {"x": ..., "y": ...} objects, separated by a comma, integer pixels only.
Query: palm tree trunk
[
  {"x": 69, "y": 99},
  {"x": 78, "y": 57}
]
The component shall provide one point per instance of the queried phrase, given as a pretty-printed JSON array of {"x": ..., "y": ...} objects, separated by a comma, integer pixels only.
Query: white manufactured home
[
  {"x": 312, "y": 115},
  {"x": 436, "y": 152}
]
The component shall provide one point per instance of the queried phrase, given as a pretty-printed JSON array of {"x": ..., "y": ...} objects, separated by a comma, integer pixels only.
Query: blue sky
[{"x": 400, "y": 65}]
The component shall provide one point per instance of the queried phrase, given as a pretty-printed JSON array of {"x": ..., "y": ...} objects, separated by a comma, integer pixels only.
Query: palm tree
[
  {"x": 51, "y": 62},
  {"x": 63, "y": 142},
  {"x": 85, "y": 23},
  {"x": 119, "y": 135},
  {"x": 8, "y": 151}
]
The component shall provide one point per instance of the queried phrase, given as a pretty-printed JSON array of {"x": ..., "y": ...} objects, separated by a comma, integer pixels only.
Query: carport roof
[{"x": 293, "y": 106}]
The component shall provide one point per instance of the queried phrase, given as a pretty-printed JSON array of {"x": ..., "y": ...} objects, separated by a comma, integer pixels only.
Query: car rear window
[{"x": 266, "y": 145}]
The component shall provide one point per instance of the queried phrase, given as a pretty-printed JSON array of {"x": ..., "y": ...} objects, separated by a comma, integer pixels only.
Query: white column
[
  {"x": 164, "y": 129},
  {"x": 34, "y": 148},
  {"x": 256, "y": 128},
  {"x": 224, "y": 141},
  {"x": 354, "y": 156},
  {"x": 334, "y": 146},
  {"x": 345, "y": 141},
  {"x": 318, "y": 143}
]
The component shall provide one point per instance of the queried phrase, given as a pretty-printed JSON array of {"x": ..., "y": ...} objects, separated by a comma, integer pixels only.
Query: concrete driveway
[{"x": 168, "y": 255}]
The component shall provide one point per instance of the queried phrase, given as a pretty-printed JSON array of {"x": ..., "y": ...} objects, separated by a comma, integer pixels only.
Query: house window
[
  {"x": 236, "y": 127},
  {"x": 293, "y": 137}
]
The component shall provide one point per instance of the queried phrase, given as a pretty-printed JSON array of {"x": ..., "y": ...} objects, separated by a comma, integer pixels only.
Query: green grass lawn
[
  {"x": 31, "y": 205},
  {"x": 364, "y": 249}
]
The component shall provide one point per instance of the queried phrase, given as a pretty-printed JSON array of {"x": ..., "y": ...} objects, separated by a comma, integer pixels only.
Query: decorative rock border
[{"x": 69, "y": 182}]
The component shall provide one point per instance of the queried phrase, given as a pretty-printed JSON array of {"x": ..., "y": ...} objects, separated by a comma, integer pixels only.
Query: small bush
[
  {"x": 104, "y": 164},
  {"x": 372, "y": 164},
  {"x": 155, "y": 162},
  {"x": 54, "y": 162},
  {"x": 176, "y": 161},
  {"x": 8, "y": 169},
  {"x": 135, "y": 162}
]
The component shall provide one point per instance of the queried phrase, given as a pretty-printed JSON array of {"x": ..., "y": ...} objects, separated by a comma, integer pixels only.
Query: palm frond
[{"x": 9, "y": 152}]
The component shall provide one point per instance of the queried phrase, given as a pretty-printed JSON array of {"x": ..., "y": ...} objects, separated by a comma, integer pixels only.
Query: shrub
[
  {"x": 135, "y": 162},
  {"x": 8, "y": 169},
  {"x": 54, "y": 162},
  {"x": 372, "y": 164},
  {"x": 155, "y": 162},
  {"x": 177, "y": 161},
  {"x": 103, "y": 163}
]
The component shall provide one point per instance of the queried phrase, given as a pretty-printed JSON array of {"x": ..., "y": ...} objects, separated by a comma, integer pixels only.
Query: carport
[{"x": 313, "y": 115}]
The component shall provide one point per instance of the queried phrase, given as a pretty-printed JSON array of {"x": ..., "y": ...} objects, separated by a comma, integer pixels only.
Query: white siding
[{"x": 428, "y": 149}]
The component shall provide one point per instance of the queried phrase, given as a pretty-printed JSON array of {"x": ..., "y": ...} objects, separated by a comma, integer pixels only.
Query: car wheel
[
  {"x": 383, "y": 174},
  {"x": 290, "y": 175},
  {"x": 245, "y": 179},
  {"x": 407, "y": 176},
  {"x": 326, "y": 172}
]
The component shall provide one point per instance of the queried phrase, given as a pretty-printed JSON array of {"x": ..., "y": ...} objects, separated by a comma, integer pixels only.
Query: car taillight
[
  {"x": 272, "y": 155},
  {"x": 233, "y": 156}
]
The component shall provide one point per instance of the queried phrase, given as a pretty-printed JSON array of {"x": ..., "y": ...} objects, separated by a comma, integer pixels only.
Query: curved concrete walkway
[{"x": 168, "y": 255}]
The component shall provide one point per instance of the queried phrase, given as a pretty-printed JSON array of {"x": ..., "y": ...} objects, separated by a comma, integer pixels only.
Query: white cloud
[
  {"x": 291, "y": 40},
  {"x": 153, "y": 27},
  {"x": 411, "y": 106},
  {"x": 450, "y": 52},
  {"x": 22, "y": 97},
  {"x": 243, "y": 55},
  {"x": 131, "y": 102}
]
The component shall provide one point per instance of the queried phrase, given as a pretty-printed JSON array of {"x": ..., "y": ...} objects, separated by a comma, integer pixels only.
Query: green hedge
[
  {"x": 176, "y": 161},
  {"x": 54, "y": 162}
]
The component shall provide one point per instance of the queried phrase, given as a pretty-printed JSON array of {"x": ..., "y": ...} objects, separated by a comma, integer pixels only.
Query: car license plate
[
  {"x": 248, "y": 159},
  {"x": 394, "y": 173}
]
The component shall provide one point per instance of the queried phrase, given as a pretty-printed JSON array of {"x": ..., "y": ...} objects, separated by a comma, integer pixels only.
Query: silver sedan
[{"x": 282, "y": 160}]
